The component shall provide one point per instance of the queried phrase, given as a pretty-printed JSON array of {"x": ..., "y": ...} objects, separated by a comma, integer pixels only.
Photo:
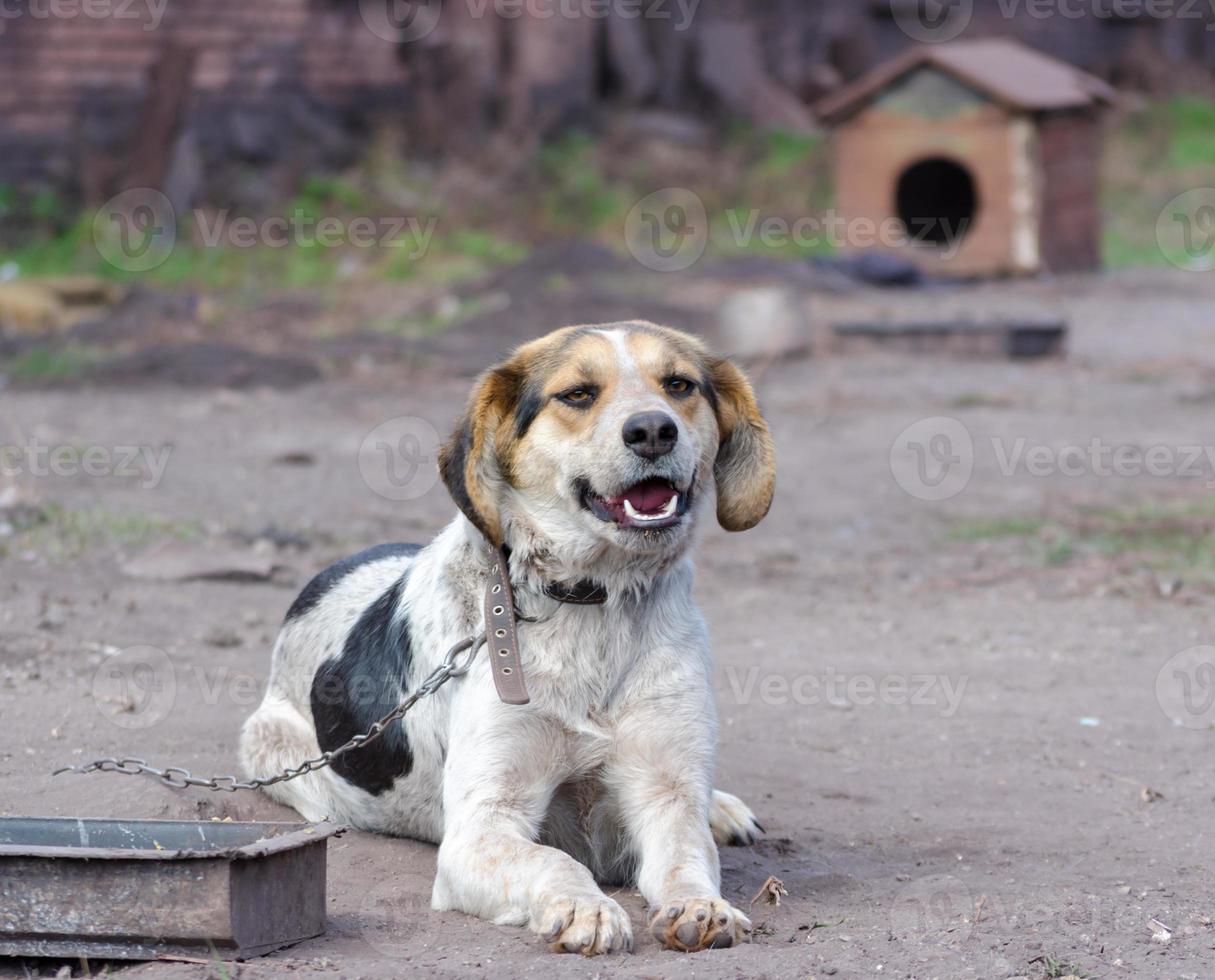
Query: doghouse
[{"x": 975, "y": 158}]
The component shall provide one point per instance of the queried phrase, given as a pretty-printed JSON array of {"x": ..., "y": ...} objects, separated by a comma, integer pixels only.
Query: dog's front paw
[
  {"x": 699, "y": 923},
  {"x": 589, "y": 926},
  {"x": 732, "y": 821}
]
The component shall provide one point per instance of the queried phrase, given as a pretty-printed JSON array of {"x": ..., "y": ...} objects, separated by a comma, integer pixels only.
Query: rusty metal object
[{"x": 159, "y": 889}]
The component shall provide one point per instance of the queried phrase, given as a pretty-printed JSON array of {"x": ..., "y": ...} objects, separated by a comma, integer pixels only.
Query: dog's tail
[{"x": 277, "y": 737}]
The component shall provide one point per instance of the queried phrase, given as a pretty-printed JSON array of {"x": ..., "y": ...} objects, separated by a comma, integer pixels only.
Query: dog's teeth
[{"x": 667, "y": 510}]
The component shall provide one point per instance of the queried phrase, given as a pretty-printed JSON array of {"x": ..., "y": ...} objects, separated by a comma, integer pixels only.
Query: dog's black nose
[{"x": 651, "y": 434}]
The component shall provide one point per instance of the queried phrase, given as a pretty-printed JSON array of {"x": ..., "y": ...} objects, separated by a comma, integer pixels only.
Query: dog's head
[{"x": 604, "y": 438}]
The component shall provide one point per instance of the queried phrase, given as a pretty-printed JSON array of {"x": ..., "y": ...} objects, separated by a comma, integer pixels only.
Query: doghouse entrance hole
[{"x": 937, "y": 201}]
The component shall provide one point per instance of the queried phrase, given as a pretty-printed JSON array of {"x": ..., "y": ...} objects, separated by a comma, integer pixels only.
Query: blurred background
[
  {"x": 195, "y": 148},
  {"x": 252, "y": 253}
]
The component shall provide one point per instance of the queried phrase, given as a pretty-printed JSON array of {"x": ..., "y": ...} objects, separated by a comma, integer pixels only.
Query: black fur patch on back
[
  {"x": 315, "y": 590},
  {"x": 367, "y": 681}
]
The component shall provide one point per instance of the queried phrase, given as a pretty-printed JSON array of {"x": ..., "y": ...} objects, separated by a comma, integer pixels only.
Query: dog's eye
[
  {"x": 578, "y": 397},
  {"x": 679, "y": 387}
]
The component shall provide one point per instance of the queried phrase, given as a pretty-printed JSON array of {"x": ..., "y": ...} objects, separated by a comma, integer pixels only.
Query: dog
[{"x": 583, "y": 462}]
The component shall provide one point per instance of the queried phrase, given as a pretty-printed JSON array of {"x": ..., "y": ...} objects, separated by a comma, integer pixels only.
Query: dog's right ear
[{"x": 470, "y": 462}]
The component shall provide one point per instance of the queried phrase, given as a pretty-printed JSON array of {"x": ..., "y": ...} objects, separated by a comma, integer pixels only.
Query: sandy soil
[{"x": 969, "y": 757}]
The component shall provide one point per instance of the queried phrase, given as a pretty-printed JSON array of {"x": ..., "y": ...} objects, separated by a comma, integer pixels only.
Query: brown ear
[
  {"x": 470, "y": 461},
  {"x": 745, "y": 468}
]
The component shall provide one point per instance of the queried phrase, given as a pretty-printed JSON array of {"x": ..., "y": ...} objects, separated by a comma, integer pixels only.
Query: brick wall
[{"x": 72, "y": 86}]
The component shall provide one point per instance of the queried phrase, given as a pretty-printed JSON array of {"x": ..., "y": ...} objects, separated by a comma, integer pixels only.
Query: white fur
[{"x": 606, "y": 774}]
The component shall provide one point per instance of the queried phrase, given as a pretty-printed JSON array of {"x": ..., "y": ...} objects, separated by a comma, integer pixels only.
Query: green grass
[
  {"x": 1169, "y": 539},
  {"x": 63, "y": 533},
  {"x": 43, "y": 365},
  {"x": 577, "y": 186},
  {"x": 1192, "y": 132},
  {"x": 1056, "y": 968},
  {"x": 1153, "y": 155},
  {"x": 986, "y": 529}
]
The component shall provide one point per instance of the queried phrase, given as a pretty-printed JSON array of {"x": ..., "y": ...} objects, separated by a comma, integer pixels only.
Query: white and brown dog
[{"x": 585, "y": 458}]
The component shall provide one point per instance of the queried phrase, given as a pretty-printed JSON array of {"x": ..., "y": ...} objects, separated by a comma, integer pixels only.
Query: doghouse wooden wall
[{"x": 874, "y": 148}]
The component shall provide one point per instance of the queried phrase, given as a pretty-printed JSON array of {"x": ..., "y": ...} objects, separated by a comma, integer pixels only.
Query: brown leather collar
[{"x": 501, "y": 617}]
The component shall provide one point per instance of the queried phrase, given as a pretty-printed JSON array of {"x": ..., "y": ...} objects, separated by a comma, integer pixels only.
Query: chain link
[{"x": 179, "y": 778}]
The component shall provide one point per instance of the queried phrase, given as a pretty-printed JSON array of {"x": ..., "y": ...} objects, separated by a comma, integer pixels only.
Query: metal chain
[{"x": 179, "y": 778}]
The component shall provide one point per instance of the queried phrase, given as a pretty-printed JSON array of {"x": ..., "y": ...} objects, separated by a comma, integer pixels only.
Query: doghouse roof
[{"x": 1007, "y": 72}]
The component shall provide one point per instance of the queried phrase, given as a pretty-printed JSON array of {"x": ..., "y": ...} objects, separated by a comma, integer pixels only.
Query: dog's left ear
[
  {"x": 745, "y": 468},
  {"x": 470, "y": 462}
]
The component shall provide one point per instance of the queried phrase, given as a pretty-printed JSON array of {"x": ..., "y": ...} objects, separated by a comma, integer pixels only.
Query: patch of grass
[
  {"x": 986, "y": 529},
  {"x": 1174, "y": 540},
  {"x": 1191, "y": 121},
  {"x": 1151, "y": 156},
  {"x": 575, "y": 196},
  {"x": 43, "y": 365},
  {"x": 63, "y": 533},
  {"x": 1056, "y": 968}
]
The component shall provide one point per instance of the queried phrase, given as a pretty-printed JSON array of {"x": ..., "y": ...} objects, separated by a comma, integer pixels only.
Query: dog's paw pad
[
  {"x": 689, "y": 925},
  {"x": 732, "y": 821},
  {"x": 589, "y": 926}
]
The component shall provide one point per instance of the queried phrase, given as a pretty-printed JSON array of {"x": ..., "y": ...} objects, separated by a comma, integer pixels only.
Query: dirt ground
[{"x": 974, "y": 728}]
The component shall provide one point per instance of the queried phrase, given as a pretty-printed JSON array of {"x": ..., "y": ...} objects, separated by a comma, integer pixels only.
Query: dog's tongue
[{"x": 649, "y": 495}]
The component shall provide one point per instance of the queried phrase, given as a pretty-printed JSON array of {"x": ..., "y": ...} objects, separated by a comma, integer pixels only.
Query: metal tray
[{"x": 156, "y": 889}]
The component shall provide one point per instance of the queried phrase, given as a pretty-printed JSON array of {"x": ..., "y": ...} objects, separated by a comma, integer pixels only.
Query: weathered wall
[{"x": 279, "y": 87}]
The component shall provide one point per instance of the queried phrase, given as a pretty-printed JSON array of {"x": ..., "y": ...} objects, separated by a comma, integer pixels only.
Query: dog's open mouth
[{"x": 648, "y": 505}]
